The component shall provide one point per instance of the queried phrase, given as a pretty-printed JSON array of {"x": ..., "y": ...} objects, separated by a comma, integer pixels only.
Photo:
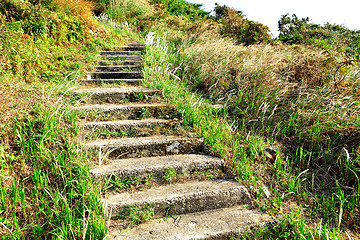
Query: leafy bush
[
  {"x": 294, "y": 30},
  {"x": 64, "y": 21},
  {"x": 191, "y": 11}
]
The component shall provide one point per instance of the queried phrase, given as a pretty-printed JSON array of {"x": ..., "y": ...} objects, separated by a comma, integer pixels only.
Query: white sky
[{"x": 343, "y": 12}]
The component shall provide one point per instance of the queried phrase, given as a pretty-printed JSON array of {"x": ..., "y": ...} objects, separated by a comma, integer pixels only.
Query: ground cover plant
[
  {"x": 283, "y": 112},
  {"x": 45, "y": 187},
  {"x": 289, "y": 121},
  {"x": 311, "y": 174}
]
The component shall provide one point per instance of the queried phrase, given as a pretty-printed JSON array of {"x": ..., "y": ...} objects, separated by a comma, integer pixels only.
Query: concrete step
[
  {"x": 114, "y": 75},
  {"x": 125, "y": 125},
  {"x": 134, "y": 82},
  {"x": 129, "y": 128},
  {"x": 115, "y": 53},
  {"x": 114, "y": 95},
  {"x": 129, "y": 111},
  {"x": 223, "y": 223},
  {"x": 134, "y": 43},
  {"x": 157, "y": 166},
  {"x": 134, "y": 47},
  {"x": 181, "y": 198},
  {"x": 126, "y": 63},
  {"x": 122, "y": 57},
  {"x": 146, "y": 146},
  {"x": 117, "y": 68}
]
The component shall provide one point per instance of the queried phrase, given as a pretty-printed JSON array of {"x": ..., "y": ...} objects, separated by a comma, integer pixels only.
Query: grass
[
  {"x": 46, "y": 187},
  {"x": 169, "y": 175},
  {"x": 292, "y": 100},
  {"x": 46, "y": 190},
  {"x": 137, "y": 214},
  {"x": 310, "y": 173},
  {"x": 115, "y": 183}
]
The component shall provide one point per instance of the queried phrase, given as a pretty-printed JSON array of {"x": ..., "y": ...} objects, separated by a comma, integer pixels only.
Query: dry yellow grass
[
  {"x": 277, "y": 83},
  {"x": 77, "y": 8}
]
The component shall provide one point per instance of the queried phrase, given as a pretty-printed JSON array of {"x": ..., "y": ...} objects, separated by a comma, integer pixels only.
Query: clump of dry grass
[
  {"x": 76, "y": 8},
  {"x": 220, "y": 59},
  {"x": 129, "y": 10}
]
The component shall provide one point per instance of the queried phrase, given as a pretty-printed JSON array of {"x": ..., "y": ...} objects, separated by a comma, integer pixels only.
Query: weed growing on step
[
  {"x": 119, "y": 184},
  {"x": 169, "y": 175},
  {"x": 137, "y": 214},
  {"x": 168, "y": 129}
]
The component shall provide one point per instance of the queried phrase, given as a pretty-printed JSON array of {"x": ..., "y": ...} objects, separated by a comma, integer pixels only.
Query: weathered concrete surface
[
  {"x": 125, "y": 125},
  {"x": 114, "y": 75},
  {"x": 108, "y": 53},
  {"x": 137, "y": 47},
  {"x": 181, "y": 198},
  {"x": 116, "y": 94},
  {"x": 141, "y": 167},
  {"x": 215, "y": 224},
  {"x": 146, "y": 146},
  {"x": 111, "y": 90},
  {"x": 133, "y": 110},
  {"x": 117, "y": 68},
  {"x": 123, "y": 57},
  {"x": 129, "y": 62},
  {"x": 134, "y": 82}
]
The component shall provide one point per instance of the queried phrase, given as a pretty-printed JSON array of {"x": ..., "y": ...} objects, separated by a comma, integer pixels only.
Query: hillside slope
[{"x": 287, "y": 117}]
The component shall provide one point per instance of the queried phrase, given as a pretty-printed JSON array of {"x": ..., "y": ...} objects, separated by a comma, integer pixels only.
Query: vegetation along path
[{"x": 149, "y": 165}]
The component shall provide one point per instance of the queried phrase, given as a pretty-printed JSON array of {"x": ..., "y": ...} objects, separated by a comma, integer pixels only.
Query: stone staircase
[{"x": 129, "y": 133}]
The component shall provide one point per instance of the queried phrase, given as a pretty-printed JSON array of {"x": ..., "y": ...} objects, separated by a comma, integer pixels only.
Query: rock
[
  {"x": 173, "y": 147},
  {"x": 265, "y": 191},
  {"x": 270, "y": 154}
]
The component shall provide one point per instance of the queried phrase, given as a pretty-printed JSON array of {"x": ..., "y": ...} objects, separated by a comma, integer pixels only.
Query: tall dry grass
[
  {"x": 313, "y": 128},
  {"x": 286, "y": 93},
  {"x": 129, "y": 10},
  {"x": 77, "y": 8}
]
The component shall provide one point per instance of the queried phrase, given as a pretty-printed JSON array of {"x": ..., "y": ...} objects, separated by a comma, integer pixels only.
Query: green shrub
[
  {"x": 236, "y": 26},
  {"x": 128, "y": 10},
  {"x": 294, "y": 30},
  {"x": 191, "y": 11},
  {"x": 63, "y": 21}
]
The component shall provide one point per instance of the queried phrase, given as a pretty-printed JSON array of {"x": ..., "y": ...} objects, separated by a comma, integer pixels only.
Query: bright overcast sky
[{"x": 345, "y": 12}]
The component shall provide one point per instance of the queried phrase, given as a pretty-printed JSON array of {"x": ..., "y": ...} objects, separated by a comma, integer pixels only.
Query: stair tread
[
  {"x": 122, "y": 106},
  {"x": 116, "y": 66},
  {"x": 100, "y": 90},
  {"x": 126, "y": 122},
  {"x": 129, "y": 56},
  {"x": 145, "y": 146},
  {"x": 113, "y": 80},
  {"x": 172, "y": 191},
  {"x": 153, "y": 165},
  {"x": 127, "y": 62},
  {"x": 214, "y": 224},
  {"x": 117, "y": 72},
  {"x": 181, "y": 198},
  {"x": 120, "y": 52},
  {"x": 114, "y": 74},
  {"x": 136, "y": 141}
]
